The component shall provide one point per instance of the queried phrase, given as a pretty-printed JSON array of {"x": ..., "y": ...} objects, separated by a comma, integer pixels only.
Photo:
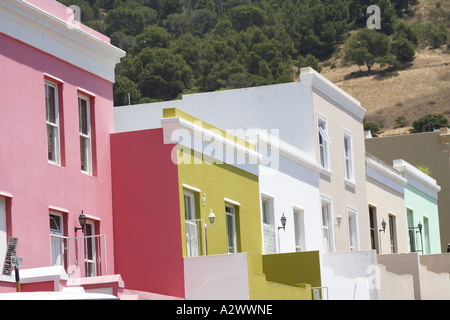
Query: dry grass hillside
[{"x": 420, "y": 88}]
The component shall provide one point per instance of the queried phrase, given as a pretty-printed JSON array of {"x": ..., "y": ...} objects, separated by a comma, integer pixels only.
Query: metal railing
[
  {"x": 81, "y": 256},
  {"x": 195, "y": 237}
]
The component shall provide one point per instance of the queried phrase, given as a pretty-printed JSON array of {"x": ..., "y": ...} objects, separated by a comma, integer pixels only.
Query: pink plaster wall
[
  {"x": 25, "y": 173},
  {"x": 147, "y": 227}
]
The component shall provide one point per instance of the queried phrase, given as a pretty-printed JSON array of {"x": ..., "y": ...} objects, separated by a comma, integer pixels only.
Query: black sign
[{"x": 10, "y": 252}]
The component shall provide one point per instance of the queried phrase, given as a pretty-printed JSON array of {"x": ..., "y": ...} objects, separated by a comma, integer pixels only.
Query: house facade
[
  {"x": 386, "y": 202},
  {"x": 57, "y": 115},
  {"x": 434, "y": 154},
  {"x": 212, "y": 232}
]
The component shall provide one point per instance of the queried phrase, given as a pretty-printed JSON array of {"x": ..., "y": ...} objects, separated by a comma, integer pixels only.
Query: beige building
[
  {"x": 386, "y": 202},
  {"x": 430, "y": 149},
  {"x": 340, "y": 151}
]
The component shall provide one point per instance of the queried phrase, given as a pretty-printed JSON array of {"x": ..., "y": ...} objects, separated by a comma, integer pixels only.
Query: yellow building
[{"x": 218, "y": 178}]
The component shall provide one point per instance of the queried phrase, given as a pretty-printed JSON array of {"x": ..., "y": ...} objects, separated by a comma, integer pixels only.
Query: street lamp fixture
[
  {"x": 283, "y": 222},
  {"x": 82, "y": 220}
]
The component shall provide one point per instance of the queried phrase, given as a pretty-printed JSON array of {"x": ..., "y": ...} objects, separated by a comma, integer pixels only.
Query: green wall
[{"x": 422, "y": 206}]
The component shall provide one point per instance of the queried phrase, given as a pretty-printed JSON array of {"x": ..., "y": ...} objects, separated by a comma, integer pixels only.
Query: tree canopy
[{"x": 176, "y": 46}]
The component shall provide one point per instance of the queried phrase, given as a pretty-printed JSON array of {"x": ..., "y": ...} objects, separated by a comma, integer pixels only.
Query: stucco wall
[
  {"x": 432, "y": 155},
  {"x": 34, "y": 184}
]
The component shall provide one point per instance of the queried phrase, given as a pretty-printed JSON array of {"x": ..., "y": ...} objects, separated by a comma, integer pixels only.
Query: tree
[
  {"x": 402, "y": 48},
  {"x": 309, "y": 61},
  {"x": 165, "y": 74},
  {"x": 366, "y": 46},
  {"x": 244, "y": 16},
  {"x": 125, "y": 91},
  {"x": 373, "y": 127},
  {"x": 429, "y": 122}
]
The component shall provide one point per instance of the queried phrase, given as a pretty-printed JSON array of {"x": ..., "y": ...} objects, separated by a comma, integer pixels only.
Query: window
[
  {"x": 348, "y": 156},
  {"x": 373, "y": 229},
  {"x": 392, "y": 235},
  {"x": 299, "y": 230},
  {"x": 57, "y": 240},
  {"x": 84, "y": 113},
  {"x": 231, "y": 228},
  {"x": 192, "y": 230},
  {"x": 53, "y": 125},
  {"x": 326, "y": 227},
  {"x": 353, "y": 242},
  {"x": 268, "y": 226},
  {"x": 410, "y": 219},
  {"x": 426, "y": 234},
  {"x": 324, "y": 142},
  {"x": 90, "y": 252}
]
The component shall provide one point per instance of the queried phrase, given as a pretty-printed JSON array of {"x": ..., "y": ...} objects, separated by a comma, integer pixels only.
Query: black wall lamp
[
  {"x": 82, "y": 220},
  {"x": 283, "y": 222},
  {"x": 383, "y": 225}
]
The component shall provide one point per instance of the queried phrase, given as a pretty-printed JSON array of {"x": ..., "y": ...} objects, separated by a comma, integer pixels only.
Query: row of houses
[{"x": 256, "y": 193}]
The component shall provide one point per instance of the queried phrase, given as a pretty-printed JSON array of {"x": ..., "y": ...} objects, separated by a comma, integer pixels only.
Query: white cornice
[
  {"x": 404, "y": 167},
  {"x": 310, "y": 77},
  {"x": 29, "y": 24},
  {"x": 169, "y": 125},
  {"x": 285, "y": 149},
  {"x": 385, "y": 169}
]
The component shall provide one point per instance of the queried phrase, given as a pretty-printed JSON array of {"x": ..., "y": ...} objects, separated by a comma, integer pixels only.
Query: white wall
[
  {"x": 293, "y": 191},
  {"x": 216, "y": 277}
]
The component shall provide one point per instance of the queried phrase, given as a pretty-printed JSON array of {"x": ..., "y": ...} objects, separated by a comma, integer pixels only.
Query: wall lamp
[
  {"x": 211, "y": 218},
  {"x": 283, "y": 222},
  {"x": 338, "y": 219},
  {"x": 82, "y": 220},
  {"x": 383, "y": 225}
]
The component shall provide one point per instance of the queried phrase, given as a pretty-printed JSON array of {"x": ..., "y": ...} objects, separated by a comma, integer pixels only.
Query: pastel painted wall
[
  {"x": 147, "y": 226},
  {"x": 219, "y": 183},
  {"x": 343, "y": 194},
  {"x": 424, "y": 207},
  {"x": 31, "y": 184},
  {"x": 386, "y": 197}
]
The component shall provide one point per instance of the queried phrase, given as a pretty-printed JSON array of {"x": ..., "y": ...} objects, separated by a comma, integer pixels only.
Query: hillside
[{"x": 423, "y": 87}]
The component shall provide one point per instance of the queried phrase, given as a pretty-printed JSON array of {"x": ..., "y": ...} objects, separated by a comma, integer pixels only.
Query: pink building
[{"x": 56, "y": 116}]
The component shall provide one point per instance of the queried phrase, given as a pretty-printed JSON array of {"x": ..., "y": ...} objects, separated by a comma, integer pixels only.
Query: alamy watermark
[{"x": 374, "y": 21}]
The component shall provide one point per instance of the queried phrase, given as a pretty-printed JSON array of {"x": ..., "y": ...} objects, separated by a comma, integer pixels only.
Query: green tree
[
  {"x": 153, "y": 36},
  {"x": 309, "y": 61},
  {"x": 124, "y": 88},
  {"x": 165, "y": 74},
  {"x": 244, "y": 16},
  {"x": 402, "y": 48},
  {"x": 366, "y": 46},
  {"x": 429, "y": 122}
]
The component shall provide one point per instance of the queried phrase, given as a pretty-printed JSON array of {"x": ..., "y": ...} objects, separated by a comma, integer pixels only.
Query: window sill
[
  {"x": 349, "y": 183},
  {"x": 325, "y": 172}
]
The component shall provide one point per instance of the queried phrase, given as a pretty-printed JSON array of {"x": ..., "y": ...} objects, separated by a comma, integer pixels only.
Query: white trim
[
  {"x": 404, "y": 167},
  {"x": 188, "y": 187},
  {"x": 48, "y": 33},
  {"x": 58, "y": 209},
  {"x": 87, "y": 136},
  {"x": 353, "y": 212},
  {"x": 310, "y": 77},
  {"x": 348, "y": 176},
  {"x": 6, "y": 194},
  {"x": 56, "y": 126},
  {"x": 232, "y": 202}
]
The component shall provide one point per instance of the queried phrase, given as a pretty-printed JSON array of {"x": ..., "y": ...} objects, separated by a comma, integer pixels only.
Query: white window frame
[
  {"x": 190, "y": 221},
  {"x": 3, "y": 227},
  {"x": 86, "y": 136},
  {"x": 426, "y": 235},
  {"x": 299, "y": 229},
  {"x": 392, "y": 221},
  {"x": 322, "y": 130},
  {"x": 349, "y": 169},
  {"x": 54, "y": 125},
  {"x": 353, "y": 230},
  {"x": 328, "y": 227},
  {"x": 232, "y": 216},
  {"x": 268, "y": 223},
  {"x": 57, "y": 241},
  {"x": 93, "y": 240}
]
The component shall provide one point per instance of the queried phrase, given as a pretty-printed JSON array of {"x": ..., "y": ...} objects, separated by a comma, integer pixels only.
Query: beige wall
[
  {"x": 333, "y": 185},
  {"x": 430, "y": 149},
  {"x": 385, "y": 193}
]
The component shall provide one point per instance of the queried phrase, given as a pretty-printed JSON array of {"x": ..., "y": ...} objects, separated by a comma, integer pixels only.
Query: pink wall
[
  {"x": 25, "y": 172},
  {"x": 147, "y": 230}
]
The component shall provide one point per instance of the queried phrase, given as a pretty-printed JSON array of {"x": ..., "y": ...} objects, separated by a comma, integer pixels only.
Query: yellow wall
[{"x": 220, "y": 181}]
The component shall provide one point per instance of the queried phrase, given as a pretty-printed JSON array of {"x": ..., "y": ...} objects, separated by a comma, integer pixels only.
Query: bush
[{"x": 429, "y": 122}]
